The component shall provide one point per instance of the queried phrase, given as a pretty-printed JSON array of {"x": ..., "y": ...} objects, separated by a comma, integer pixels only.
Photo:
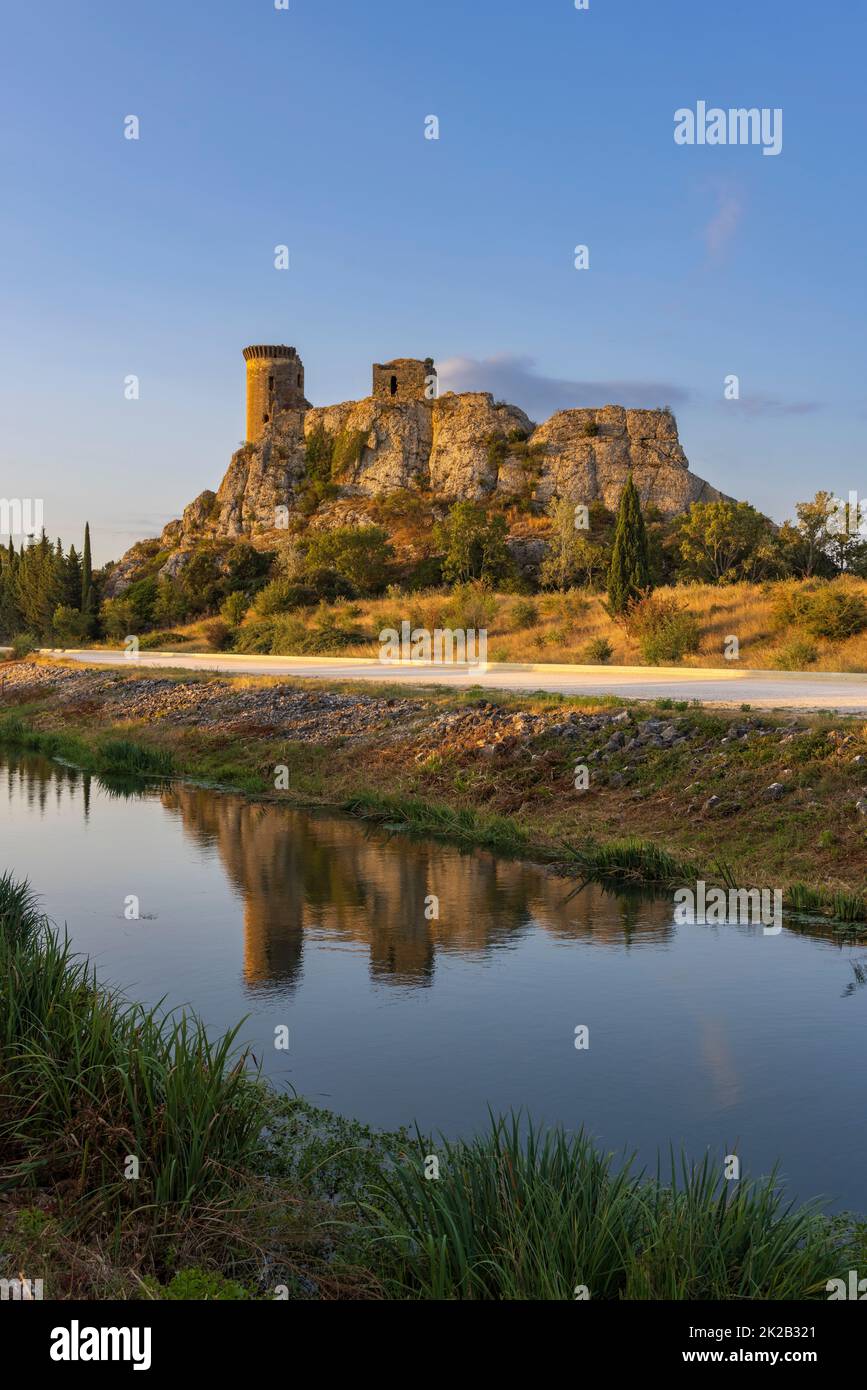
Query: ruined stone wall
[{"x": 404, "y": 379}]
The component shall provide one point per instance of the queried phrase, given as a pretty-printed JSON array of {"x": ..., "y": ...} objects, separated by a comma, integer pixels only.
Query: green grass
[
  {"x": 523, "y": 1213},
  {"x": 462, "y": 825},
  {"x": 119, "y": 757},
  {"x": 637, "y": 860}
]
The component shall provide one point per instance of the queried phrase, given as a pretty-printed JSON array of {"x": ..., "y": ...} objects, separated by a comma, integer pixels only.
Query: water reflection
[{"x": 301, "y": 874}]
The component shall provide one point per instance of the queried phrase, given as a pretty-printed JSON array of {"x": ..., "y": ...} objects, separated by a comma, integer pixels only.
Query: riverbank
[
  {"x": 143, "y": 1160},
  {"x": 658, "y": 793}
]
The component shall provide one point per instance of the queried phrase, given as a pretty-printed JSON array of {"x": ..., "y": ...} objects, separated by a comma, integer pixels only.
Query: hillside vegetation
[{"x": 717, "y": 584}]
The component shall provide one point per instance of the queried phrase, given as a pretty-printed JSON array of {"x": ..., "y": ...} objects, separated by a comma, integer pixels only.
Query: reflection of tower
[
  {"x": 300, "y": 873},
  {"x": 275, "y": 382}
]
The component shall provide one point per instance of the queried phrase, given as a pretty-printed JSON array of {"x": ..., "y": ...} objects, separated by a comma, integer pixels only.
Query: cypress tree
[
  {"x": 629, "y": 571},
  {"x": 87, "y": 596}
]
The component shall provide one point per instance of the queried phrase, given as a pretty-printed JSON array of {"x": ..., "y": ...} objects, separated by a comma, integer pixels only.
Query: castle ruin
[{"x": 275, "y": 382}]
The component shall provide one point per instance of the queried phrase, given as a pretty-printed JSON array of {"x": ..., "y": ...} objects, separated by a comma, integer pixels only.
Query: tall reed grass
[
  {"x": 523, "y": 1213},
  {"x": 89, "y": 1081}
]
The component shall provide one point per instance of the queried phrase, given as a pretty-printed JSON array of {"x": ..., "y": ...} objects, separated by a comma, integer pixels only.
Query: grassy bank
[
  {"x": 141, "y": 1159},
  {"x": 697, "y": 807}
]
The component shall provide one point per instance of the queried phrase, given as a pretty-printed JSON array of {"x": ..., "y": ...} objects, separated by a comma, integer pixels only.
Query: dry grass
[{"x": 555, "y": 627}]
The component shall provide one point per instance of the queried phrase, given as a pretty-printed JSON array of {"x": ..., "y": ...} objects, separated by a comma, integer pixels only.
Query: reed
[
  {"x": 524, "y": 1213},
  {"x": 89, "y": 1081}
]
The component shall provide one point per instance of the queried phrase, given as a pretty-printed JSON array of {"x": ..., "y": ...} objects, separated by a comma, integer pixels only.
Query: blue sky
[{"x": 306, "y": 127}]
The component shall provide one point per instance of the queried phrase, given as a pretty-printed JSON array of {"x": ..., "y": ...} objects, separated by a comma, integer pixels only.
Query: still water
[{"x": 712, "y": 1037}]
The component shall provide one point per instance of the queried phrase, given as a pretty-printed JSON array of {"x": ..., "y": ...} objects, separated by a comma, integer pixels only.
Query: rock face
[
  {"x": 459, "y": 447},
  {"x": 589, "y": 453}
]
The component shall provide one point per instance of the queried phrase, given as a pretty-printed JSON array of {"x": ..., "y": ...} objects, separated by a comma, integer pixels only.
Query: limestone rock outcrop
[{"x": 461, "y": 446}]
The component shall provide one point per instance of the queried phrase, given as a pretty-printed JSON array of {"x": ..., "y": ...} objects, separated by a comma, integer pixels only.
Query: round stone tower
[{"x": 275, "y": 382}]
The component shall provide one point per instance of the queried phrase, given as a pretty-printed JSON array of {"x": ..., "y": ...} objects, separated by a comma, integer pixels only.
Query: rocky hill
[{"x": 458, "y": 447}]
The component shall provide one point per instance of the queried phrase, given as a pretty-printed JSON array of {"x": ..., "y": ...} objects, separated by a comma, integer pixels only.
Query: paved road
[{"x": 761, "y": 689}]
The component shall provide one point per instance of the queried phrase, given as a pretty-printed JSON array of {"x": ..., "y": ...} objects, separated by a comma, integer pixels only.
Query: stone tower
[
  {"x": 405, "y": 379},
  {"x": 275, "y": 382}
]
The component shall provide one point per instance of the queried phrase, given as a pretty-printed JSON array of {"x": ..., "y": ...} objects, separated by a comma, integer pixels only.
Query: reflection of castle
[{"x": 299, "y": 873}]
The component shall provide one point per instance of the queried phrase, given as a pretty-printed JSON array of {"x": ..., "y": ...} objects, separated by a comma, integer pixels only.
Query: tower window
[
  {"x": 394, "y": 385},
  {"x": 299, "y": 378},
  {"x": 270, "y": 383},
  {"x": 265, "y": 419}
]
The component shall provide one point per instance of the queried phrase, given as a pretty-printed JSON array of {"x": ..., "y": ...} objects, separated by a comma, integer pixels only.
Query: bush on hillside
[
  {"x": 218, "y": 634},
  {"x": 283, "y": 596},
  {"x": 831, "y": 609},
  {"x": 796, "y": 655},
  {"x": 355, "y": 559},
  {"x": 598, "y": 652},
  {"x": 664, "y": 630}
]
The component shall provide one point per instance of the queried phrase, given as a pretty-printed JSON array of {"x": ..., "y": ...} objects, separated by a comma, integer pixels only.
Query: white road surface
[{"x": 727, "y": 687}]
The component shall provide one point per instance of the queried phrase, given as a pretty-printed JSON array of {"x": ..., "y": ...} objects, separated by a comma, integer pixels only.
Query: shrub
[
  {"x": 357, "y": 557},
  {"x": 234, "y": 607},
  {"x": 832, "y": 610},
  {"x": 154, "y": 641},
  {"x": 796, "y": 654},
  {"x": 426, "y": 573},
  {"x": 525, "y": 613},
  {"x": 246, "y": 566},
  {"x": 203, "y": 584},
  {"x": 327, "y": 584},
  {"x": 141, "y": 598},
  {"x": 288, "y": 636},
  {"x": 202, "y": 1285},
  {"x": 330, "y": 632},
  {"x": 171, "y": 604},
  {"x": 69, "y": 624},
  {"x": 317, "y": 485},
  {"x": 23, "y": 643},
  {"x": 348, "y": 448},
  {"x": 473, "y": 545},
  {"x": 217, "y": 634},
  {"x": 664, "y": 630},
  {"x": 471, "y": 606},
  {"x": 118, "y": 618},
  {"x": 255, "y": 638},
  {"x": 282, "y": 596},
  {"x": 598, "y": 652}
]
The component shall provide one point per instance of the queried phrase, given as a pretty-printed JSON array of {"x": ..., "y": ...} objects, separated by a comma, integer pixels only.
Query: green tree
[
  {"x": 629, "y": 571},
  {"x": 573, "y": 555},
  {"x": 71, "y": 579},
  {"x": 37, "y": 587},
  {"x": 10, "y": 615},
  {"x": 721, "y": 542},
  {"x": 473, "y": 545},
  {"x": 69, "y": 624},
  {"x": 88, "y": 593},
  {"x": 357, "y": 556}
]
